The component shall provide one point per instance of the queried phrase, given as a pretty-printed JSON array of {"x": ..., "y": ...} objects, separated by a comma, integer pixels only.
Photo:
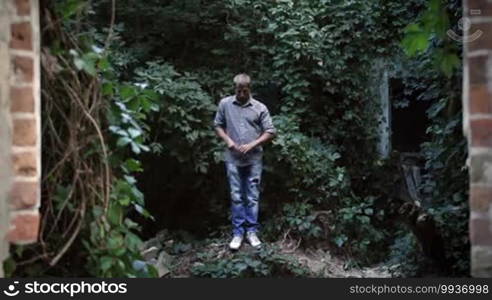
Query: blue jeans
[{"x": 244, "y": 184}]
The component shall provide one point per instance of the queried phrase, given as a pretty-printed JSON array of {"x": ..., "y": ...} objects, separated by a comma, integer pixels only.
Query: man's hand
[
  {"x": 229, "y": 142},
  {"x": 246, "y": 147},
  {"x": 265, "y": 137},
  {"x": 232, "y": 146}
]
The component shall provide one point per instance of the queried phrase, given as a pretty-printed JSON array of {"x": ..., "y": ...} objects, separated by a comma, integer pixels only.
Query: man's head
[{"x": 242, "y": 82}]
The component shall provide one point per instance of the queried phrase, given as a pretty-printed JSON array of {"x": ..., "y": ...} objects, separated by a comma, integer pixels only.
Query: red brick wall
[
  {"x": 477, "y": 102},
  {"x": 25, "y": 115}
]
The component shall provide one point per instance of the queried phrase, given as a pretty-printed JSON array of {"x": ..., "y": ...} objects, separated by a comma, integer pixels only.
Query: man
[{"x": 244, "y": 124}]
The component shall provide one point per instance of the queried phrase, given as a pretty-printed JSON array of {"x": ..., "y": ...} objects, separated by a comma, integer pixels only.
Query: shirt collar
[{"x": 248, "y": 103}]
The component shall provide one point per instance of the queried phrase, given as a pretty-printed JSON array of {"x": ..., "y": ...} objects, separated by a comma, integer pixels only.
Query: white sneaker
[
  {"x": 253, "y": 239},
  {"x": 236, "y": 242}
]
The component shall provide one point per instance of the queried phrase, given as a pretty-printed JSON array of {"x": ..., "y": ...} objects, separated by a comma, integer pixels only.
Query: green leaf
[
  {"x": 416, "y": 40},
  {"x": 143, "y": 211},
  {"x": 134, "y": 132},
  {"x": 133, "y": 165},
  {"x": 123, "y": 141},
  {"x": 241, "y": 267},
  {"x": 70, "y": 8},
  {"x": 127, "y": 92},
  {"x": 130, "y": 179},
  {"x": 340, "y": 240},
  {"x": 132, "y": 241},
  {"x": 103, "y": 64},
  {"x": 79, "y": 63},
  {"x": 135, "y": 148},
  {"x": 107, "y": 89},
  {"x": 106, "y": 262},
  {"x": 124, "y": 201},
  {"x": 88, "y": 63},
  {"x": 115, "y": 213},
  {"x": 115, "y": 240},
  {"x": 9, "y": 267},
  {"x": 120, "y": 251},
  {"x": 447, "y": 62}
]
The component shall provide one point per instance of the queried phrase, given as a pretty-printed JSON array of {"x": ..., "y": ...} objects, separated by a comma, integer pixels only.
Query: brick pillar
[
  {"x": 5, "y": 128},
  {"x": 20, "y": 123},
  {"x": 477, "y": 115},
  {"x": 26, "y": 120}
]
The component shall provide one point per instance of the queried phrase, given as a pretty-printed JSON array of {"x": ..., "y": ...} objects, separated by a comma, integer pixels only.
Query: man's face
[{"x": 242, "y": 92}]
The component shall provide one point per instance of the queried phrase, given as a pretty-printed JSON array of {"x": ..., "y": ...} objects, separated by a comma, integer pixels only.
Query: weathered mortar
[{"x": 5, "y": 127}]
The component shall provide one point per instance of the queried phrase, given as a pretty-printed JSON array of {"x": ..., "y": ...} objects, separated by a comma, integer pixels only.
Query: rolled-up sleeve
[
  {"x": 219, "y": 120},
  {"x": 266, "y": 122}
]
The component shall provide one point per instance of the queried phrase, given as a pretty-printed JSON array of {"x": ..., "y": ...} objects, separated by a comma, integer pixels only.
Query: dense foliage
[
  {"x": 161, "y": 68},
  {"x": 445, "y": 149}
]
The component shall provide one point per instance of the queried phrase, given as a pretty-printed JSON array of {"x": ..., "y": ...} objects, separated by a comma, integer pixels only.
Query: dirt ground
[{"x": 319, "y": 261}]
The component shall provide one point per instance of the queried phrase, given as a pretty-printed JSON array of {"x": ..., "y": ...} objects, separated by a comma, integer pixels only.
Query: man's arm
[
  {"x": 223, "y": 135},
  {"x": 219, "y": 125},
  {"x": 268, "y": 134}
]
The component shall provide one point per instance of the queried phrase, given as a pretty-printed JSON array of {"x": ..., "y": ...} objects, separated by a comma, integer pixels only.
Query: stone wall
[{"x": 477, "y": 106}]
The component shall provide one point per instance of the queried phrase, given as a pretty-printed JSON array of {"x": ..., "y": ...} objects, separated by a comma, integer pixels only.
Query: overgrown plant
[
  {"x": 266, "y": 262},
  {"x": 92, "y": 131},
  {"x": 437, "y": 79}
]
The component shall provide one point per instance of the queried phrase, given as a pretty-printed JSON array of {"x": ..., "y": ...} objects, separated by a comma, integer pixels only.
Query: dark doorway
[{"x": 408, "y": 118}]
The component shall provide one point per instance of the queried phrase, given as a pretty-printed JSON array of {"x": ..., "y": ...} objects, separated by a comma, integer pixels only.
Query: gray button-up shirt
[{"x": 243, "y": 123}]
